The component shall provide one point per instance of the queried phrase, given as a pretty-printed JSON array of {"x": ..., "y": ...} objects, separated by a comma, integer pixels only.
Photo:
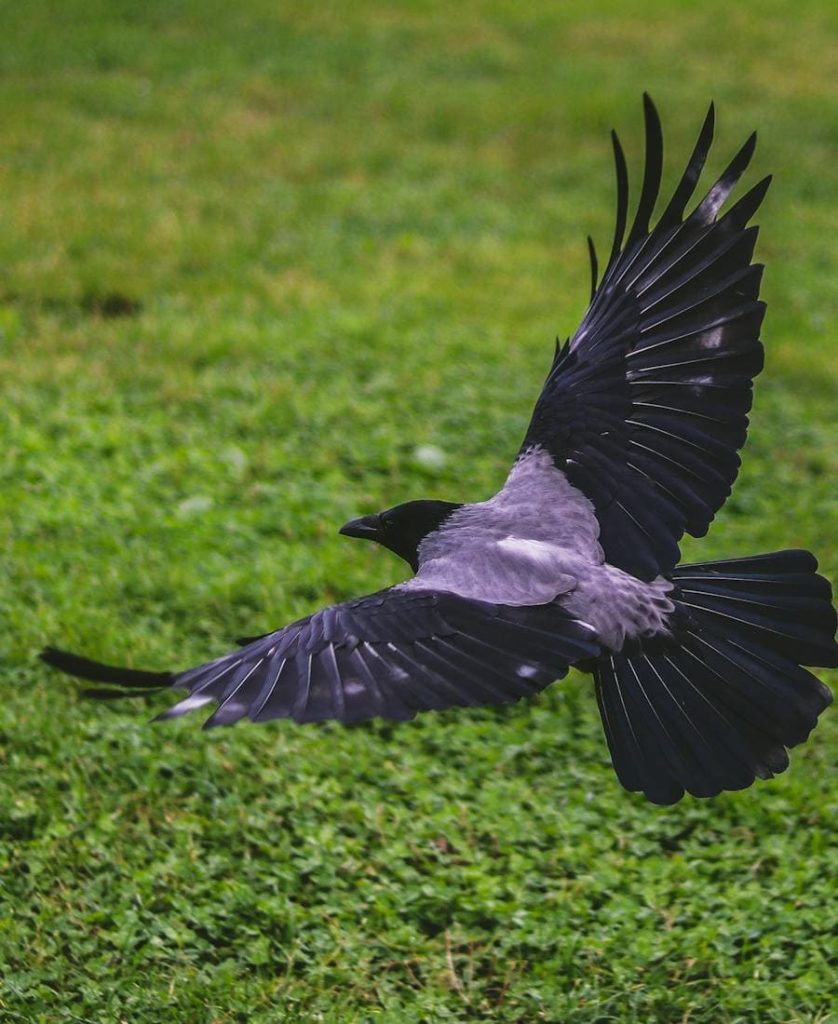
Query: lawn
[{"x": 254, "y": 258}]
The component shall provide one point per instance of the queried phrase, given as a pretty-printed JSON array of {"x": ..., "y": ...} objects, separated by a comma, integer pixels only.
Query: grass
[{"x": 253, "y": 258}]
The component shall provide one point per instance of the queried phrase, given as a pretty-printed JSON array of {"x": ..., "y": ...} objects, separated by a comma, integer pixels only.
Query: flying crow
[{"x": 633, "y": 442}]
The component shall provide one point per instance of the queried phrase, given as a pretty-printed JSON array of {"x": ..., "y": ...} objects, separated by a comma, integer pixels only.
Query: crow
[{"x": 574, "y": 562}]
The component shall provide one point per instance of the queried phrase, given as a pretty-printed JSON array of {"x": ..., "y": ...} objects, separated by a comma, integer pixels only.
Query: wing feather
[
  {"x": 645, "y": 408},
  {"x": 387, "y": 655}
]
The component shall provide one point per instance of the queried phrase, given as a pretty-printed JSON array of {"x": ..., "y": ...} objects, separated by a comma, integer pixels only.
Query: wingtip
[
  {"x": 63, "y": 661},
  {"x": 651, "y": 174},
  {"x": 741, "y": 213},
  {"x": 650, "y": 110},
  {"x": 717, "y": 195},
  {"x": 98, "y": 672},
  {"x": 621, "y": 171},
  {"x": 594, "y": 266},
  {"x": 49, "y": 654},
  {"x": 740, "y": 162},
  {"x": 709, "y": 125}
]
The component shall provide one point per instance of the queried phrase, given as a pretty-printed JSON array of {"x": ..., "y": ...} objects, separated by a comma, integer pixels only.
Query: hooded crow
[{"x": 633, "y": 442}]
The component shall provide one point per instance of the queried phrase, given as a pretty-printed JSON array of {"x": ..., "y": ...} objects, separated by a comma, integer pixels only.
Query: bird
[{"x": 575, "y": 562}]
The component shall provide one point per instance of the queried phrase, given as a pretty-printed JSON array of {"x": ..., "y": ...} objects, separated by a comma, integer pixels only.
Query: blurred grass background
[{"x": 253, "y": 256}]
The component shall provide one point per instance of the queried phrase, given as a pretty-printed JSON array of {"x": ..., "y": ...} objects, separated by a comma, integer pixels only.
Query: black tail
[
  {"x": 135, "y": 680},
  {"x": 716, "y": 707}
]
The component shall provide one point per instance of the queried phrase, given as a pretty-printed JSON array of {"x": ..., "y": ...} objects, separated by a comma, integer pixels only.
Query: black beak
[{"x": 367, "y": 528}]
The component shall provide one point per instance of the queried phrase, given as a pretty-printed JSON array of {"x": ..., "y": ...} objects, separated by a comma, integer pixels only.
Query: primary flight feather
[{"x": 632, "y": 443}]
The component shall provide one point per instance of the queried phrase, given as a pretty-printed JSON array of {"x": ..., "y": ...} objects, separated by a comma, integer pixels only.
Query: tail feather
[
  {"x": 717, "y": 706},
  {"x": 790, "y": 560},
  {"x": 784, "y": 605}
]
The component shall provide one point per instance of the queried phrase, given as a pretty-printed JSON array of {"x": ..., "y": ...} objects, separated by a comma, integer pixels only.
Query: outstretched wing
[
  {"x": 645, "y": 407},
  {"x": 388, "y": 655}
]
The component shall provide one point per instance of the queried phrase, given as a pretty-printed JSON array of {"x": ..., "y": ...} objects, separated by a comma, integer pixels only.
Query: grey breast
[{"x": 522, "y": 546}]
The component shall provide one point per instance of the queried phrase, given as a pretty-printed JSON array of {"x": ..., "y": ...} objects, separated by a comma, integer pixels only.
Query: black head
[{"x": 403, "y": 527}]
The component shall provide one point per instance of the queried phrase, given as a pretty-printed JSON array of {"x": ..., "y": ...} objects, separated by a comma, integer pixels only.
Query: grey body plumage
[
  {"x": 537, "y": 541},
  {"x": 632, "y": 443}
]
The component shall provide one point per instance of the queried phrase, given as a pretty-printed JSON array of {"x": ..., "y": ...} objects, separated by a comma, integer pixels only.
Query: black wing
[
  {"x": 388, "y": 655},
  {"x": 645, "y": 407}
]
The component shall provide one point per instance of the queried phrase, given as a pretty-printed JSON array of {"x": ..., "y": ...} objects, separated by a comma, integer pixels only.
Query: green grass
[{"x": 332, "y": 234}]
